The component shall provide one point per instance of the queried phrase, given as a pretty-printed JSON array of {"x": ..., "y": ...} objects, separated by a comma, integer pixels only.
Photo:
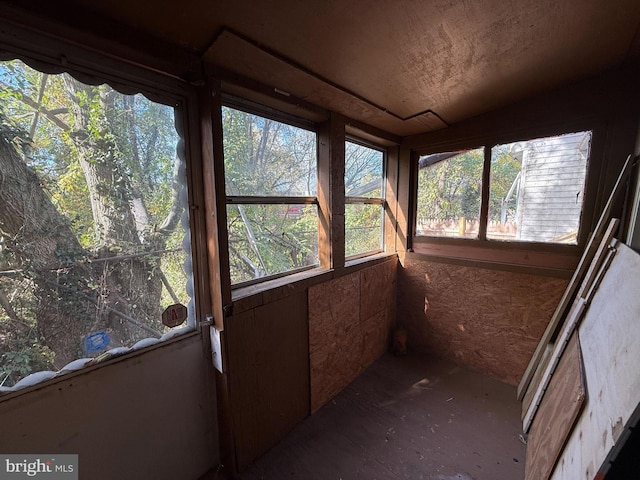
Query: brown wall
[
  {"x": 488, "y": 313},
  {"x": 268, "y": 371},
  {"x": 291, "y": 345},
  {"x": 350, "y": 319},
  {"x": 145, "y": 416},
  {"x": 487, "y": 320}
]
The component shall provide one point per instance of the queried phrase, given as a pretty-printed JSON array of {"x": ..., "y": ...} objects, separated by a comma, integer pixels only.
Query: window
[
  {"x": 449, "y": 193},
  {"x": 364, "y": 202},
  {"x": 94, "y": 233},
  {"x": 536, "y": 191},
  {"x": 537, "y": 188},
  {"x": 270, "y": 181}
]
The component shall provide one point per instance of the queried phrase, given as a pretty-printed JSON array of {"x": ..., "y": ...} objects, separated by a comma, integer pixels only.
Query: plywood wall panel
[
  {"x": 377, "y": 309},
  {"x": 559, "y": 408},
  {"x": 350, "y": 319},
  {"x": 375, "y": 332},
  {"x": 378, "y": 287},
  {"x": 487, "y": 320},
  {"x": 335, "y": 341}
]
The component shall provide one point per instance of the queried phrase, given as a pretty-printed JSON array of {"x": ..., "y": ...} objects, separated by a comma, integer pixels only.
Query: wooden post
[
  {"x": 214, "y": 200},
  {"x": 405, "y": 212},
  {"x": 484, "y": 205},
  {"x": 462, "y": 226},
  {"x": 331, "y": 157},
  {"x": 391, "y": 200}
]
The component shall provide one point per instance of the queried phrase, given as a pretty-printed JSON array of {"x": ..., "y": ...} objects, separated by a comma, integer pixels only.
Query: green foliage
[
  {"x": 23, "y": 360},
  {"x": 504, "y": 170},
  {"x": 63, "y": 129},
  {"x": 451, "y": 188},
  {"x": 364, "y": 177},
  {"x": 269, "y": 159},
  {"x": 22, "y": 350},
  {"x": 363, "y": 228},
  {"x": 265, "y": 158}
]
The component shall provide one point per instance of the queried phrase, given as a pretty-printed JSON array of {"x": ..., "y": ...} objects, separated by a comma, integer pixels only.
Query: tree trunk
[
  {"x": 39, "y": 243},
  {"x": 134, "y": 286},
  {"x": 108, "y": 185}
]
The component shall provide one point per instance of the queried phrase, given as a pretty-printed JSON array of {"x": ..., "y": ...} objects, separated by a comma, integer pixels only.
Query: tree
[
  {"x": 270, "y": 160},
  {"x": 364, "y": 175},
  {"x": 89, "y": 208},
  {"x": 451, "y": 188}
]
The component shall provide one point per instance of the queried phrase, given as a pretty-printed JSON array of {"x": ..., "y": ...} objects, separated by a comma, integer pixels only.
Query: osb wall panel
[
  {"x": 268, "y": 366},
  {"x": 350, "y": 319},
  {"x": 487, "y": 320}
]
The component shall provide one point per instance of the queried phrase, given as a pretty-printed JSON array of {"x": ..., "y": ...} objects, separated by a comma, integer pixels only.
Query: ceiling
[{"x": 405, "y": 67}]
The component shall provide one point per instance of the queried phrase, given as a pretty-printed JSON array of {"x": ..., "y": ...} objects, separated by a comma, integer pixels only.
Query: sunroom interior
[{"x": 332, "y": 239}]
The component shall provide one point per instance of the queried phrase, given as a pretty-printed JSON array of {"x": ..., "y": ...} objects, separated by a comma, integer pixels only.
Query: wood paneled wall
[
  {"x": 487, "y": 320},
  {"x": 268, "y": 369},
  {"x": 350, "y": 319},
  {"x": 289, "y": 343}
]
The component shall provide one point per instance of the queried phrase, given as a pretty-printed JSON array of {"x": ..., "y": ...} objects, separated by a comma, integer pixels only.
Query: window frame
[
  {"x": 253, "y": 108},
  {"x": 55, "y": 56},
  {"x": 382, "y": 200},
  {"x": 548, "y": 256}
]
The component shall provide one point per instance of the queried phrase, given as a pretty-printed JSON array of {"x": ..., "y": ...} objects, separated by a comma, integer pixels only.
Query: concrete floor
[{"x": 406, "y": 418}]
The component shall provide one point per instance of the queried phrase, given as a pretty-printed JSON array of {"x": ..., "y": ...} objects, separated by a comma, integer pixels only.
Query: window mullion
[
  {"x": 331, "y": 158},
  {"x": 271, "y": 200},
  {"x": 366, "y": 200},
  {"x": 484, "y": 203}
]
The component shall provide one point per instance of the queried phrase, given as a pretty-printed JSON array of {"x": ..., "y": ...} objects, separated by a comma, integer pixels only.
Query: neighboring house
[{"x": 552, "y": 181}]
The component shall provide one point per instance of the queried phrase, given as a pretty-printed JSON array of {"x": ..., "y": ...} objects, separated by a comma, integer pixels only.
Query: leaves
[{"x": 93, "y": 183}]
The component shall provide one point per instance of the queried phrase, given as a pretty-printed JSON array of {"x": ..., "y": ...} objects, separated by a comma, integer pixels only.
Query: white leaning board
[{"x": 610, "y": 341}]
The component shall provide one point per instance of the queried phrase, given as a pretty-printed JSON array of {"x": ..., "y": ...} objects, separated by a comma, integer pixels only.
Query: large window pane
[
  {"x": 449, "y": 193},
  {"x": 267, "y": 240},
  {"x": 364, "y": 171},
  {"x": 263, "y": 157},
  {"x": 363, "y": 228},
  {"x": 92, "y": 222},
  {"x": 537, "y": 189},
  {"x": 364, "y": 182},
  {"x": 266, "y": 164}
]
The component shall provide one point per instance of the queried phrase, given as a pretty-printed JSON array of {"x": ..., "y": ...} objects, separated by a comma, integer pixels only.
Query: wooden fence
[{"x": 463, "y": 227}]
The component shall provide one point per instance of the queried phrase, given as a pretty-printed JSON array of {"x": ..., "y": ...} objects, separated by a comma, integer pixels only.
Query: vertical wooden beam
[
  {"x": 406, "y": 189},
  {"x": 484, "y": 202},
  {"x": 209, "y": 100},
  {"x": 214, "y": 201},
  {"x": 391, "y": 199},
  {"x": 331, "y": 158},
  {"x": 195, "y": 149},
  {"x": 188, "y": 126}
]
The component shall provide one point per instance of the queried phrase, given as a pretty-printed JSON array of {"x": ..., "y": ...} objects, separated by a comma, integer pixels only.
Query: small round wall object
[{"x": 174, "y": 315}]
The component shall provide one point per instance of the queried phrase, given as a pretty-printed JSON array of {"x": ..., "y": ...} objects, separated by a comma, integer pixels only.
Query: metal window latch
[{"x": 207, "y": 321}]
